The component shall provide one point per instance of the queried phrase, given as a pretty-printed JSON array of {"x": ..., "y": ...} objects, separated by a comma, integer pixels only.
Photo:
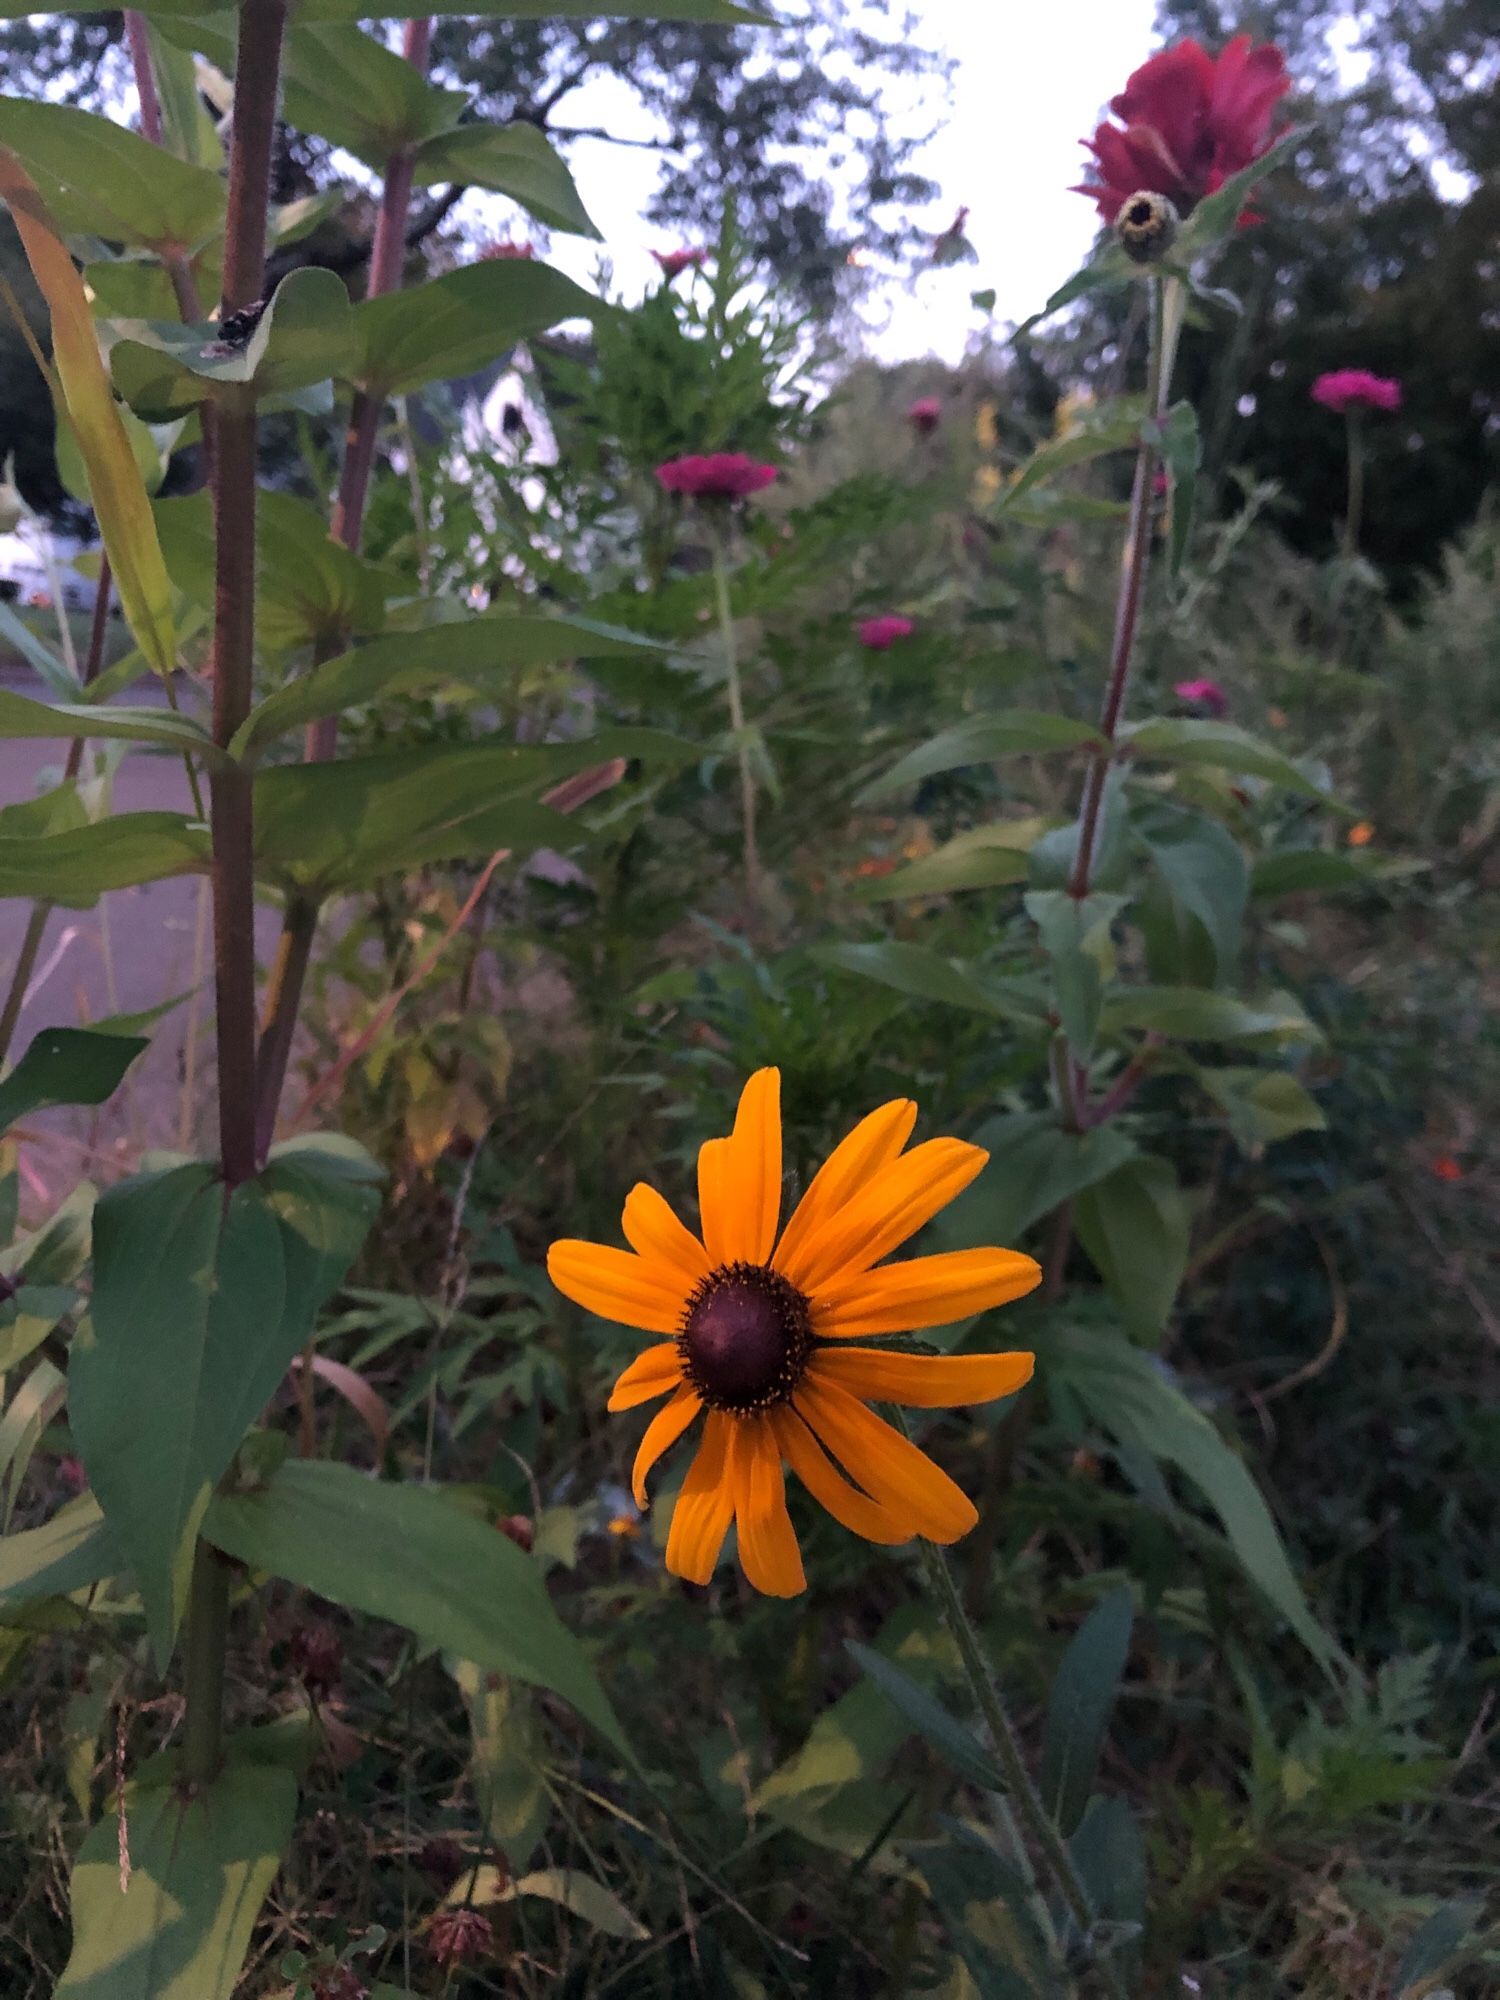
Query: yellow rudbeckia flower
[{"x": 761, "y": 1332}]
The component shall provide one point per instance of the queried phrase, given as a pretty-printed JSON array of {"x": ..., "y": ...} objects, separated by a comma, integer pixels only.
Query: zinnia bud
[
  {"x": 1146, "y": 227},
  {"x": 878, "y": 635}
]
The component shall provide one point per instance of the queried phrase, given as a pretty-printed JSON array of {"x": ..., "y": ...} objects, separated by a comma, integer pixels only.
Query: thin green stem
[
  {"x": 20, "y": 978},
  {"x": 737, "y": 713},
  {"x": 207, "y": 1641},
  {"x": 1354, "y": 514}
]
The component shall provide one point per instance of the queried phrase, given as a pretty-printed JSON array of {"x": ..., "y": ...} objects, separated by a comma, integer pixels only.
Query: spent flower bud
[{"x": 1146, "y": 227}]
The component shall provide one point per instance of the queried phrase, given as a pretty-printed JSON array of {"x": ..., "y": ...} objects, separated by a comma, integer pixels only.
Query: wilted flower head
[
  {"x": 925, "y": 414},
  {"x": 1188, "y": 122},
  {"x": 880, "y": 634},
  {"x": 720, "y": 475},
  {"x": 1356, "y": 389},
  {"x": 459, "y": 1937},
  {"x": 1204, "y": 695},
  {"x": 502, "y": 249},
  {"x": 674, "y": 262},
  {"x": 317, "y": 1657},
  {"x": 338, "y": 1982},
  {"x": 1146, "y": 227}
]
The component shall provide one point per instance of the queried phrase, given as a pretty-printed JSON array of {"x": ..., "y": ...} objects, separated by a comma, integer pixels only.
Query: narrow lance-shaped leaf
[
  {"x": 115, "y": 483},
  {"x": 1078, "y": 1709}
]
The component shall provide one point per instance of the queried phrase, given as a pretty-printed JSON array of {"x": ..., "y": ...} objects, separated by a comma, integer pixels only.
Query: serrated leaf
[
  {"x": 405, "y": 1554},
  {"x": 66, "y": 1066},
  {"x": 1084, "y": 1690},
  {"x": 459, "y": 323},
  {"x": 981, "y": 740}
]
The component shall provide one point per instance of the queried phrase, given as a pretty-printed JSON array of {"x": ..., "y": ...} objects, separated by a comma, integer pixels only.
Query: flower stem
[
  {"x": 1021, "y": 1792},
  {"x": 737, "y": 714},
  {"x": 207, "y": 1643},
  {"x": 1354, "y": 514}
]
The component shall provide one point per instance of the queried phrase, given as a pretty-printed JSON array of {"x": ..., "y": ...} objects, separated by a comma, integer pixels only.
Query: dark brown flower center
[{"x": 745, "y": 1338}]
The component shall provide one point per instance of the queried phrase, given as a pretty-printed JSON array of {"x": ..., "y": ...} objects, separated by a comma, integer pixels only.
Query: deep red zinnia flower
[
  {"x": 720, "y": 475},
  {"x": 459, "y": 1937},
  {"x": 502, "y": 249},
  {"x": 1356, "y": 389},
  {"x": 925, "y": 414},
  {"x": 1204, "y": 695},
  {"x": 880, "y": 634},
  {"x": 1188, "y": 122},
  {"x": 674, "y": 262}
]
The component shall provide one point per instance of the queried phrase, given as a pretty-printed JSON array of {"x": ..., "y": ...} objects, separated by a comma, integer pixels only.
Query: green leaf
[
  {"x": 1182, "y": 452},
  {"x": 186, "y": 127},
  {"x": 310, "y": 589},
  {"x": 1034, "y": 1167},
  {"x": 200, "y": 1867},
  {"x": 1113, "y": 427},
  {"x": 101, "y": 179},
  {"x": 1205, "y": 874},
  {"x": 581, "y": 1894},
  {"x": 342, "y": 825},
  {"x": 459, "y": 323},
  {"x": 955, "y": 1744},
  {"x": 20, "y": 716},
  {"x": 1134, "y": 1397},
  {"x": 1215, "y": 218},
  {"x": 515, "y": 160},
  {"x": 1135, "y": 1227},
  {"x": 342, "y": 84},
  {"x": 1181, "y": 739},
  {"x": 50, "y": 664},
  {"x": 1108, "y": 270},
  {"x": 508, "y": 1768},
  {"x": 923, "y": 975},
  {"x": 980, "y": 741},
  {"x": 1263, "y": 1105},
  {"x": 198, "y": 1309},
  {"x": 304, "y": 337},
  {"x": 1082, "y": 1700},
  {"x": 1188, "y": 1013},
  {"x": 1292, "y": 871},
  {"x": 1437, "y": 1946},
  {"x": 1110, "y": 1858},
  {"x": 74, "y": 1549},
  {"x": 1075, "y": 934},
  {"x": 989, "y": 1912},
  {"x": 66, "y": 1066},
  {"x": 987, "y": 857},
  {"x": 476, "y": 653},
  {"x": 406, "y": 1554},
  {"x": 74, "y": 866}
]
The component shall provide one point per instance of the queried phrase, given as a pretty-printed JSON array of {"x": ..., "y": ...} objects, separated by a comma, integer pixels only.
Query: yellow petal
[
  {"x": 769, "y": 1554},
  {"x": 653, "y": 1231},
  {"x": 891, "y": 1206},
  {"x": 922, "y": 1381},
  {"x": 924, "y": 1291},
  {"x": 663, "y": 1431},
  {"x": 701, "y": 1517},
  {"x": 652, "y": 1373},
  {"x": 615, "y": 1285},
  {"x": 827, "y": 1485},
  {"x": 889, "y": 1466},
  {"x": 873, "y": 1143}
]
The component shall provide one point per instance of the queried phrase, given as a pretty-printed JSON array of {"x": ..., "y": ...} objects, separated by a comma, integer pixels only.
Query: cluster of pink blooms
[
  {"x": 715, "y": 475},
  {"x": 925, "y": 414},
  {"x": 675, "y": 262},
  {"x": 1356, "y": 389},
  {"x": 1204, "y": 695},
  {"x": 878, "y": 635}
]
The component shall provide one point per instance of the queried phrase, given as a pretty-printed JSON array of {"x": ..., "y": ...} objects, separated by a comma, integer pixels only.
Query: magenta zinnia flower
[
  {"x": 1205, "y": 695},
  {"x": 720, "y": 475},
  {"x": 880, "y": 634},
  {"x": 504, "y": 249},
  {"x": 1189, "y": 122},
  {"x": 925, "y": 414},
  {"x": 674, "y": 262},
  {"x": 1356, "y": 389}
]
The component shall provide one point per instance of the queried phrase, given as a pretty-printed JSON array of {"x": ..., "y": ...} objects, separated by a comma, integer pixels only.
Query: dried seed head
[
  {"x": 459, "y": 1937},
  {"x": 1147, "y": 227}
]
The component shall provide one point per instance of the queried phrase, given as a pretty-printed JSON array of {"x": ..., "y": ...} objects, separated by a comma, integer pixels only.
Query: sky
[{"x": 1031, "y": 80}]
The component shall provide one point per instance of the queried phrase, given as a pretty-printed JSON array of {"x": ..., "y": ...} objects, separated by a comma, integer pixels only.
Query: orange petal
[
  {"x": 827, "y": 1485},
  {"x": 922, "y": 1381},
  {"x": 889, "y": 1466},
  {"x": 652, "y": 1373},
  {"x": 701, "y": 1518},
  {"x": 715, "y": 1208},
  {"x": 873, "y": 1143},
  {"x": 925, "y": 1291},
  {"x": 615, "y": 1285},
  {"x": 892, "y": 1205},
  {"x": 748, "y": 1197},
  {"x": 653, "y": 1230},
  {"x": 769, "y": 1554},
  {"x": 663, "y": 1431}
]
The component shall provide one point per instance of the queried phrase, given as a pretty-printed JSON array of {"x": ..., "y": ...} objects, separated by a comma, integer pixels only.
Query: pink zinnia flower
[
  {"x": 721, "y": 475},
  {"x": 925, "y": 414},
  {"x": 459, "y": 1937},
  {"x": 1205, "y": 695},
  {"x": 502, "y": 249},
  {"x": 674, "y": 262},
  {"x": 1189, "y": 122},
  {"x": 880, "y": 634},
  {"x": 1356, "y": 389}
]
